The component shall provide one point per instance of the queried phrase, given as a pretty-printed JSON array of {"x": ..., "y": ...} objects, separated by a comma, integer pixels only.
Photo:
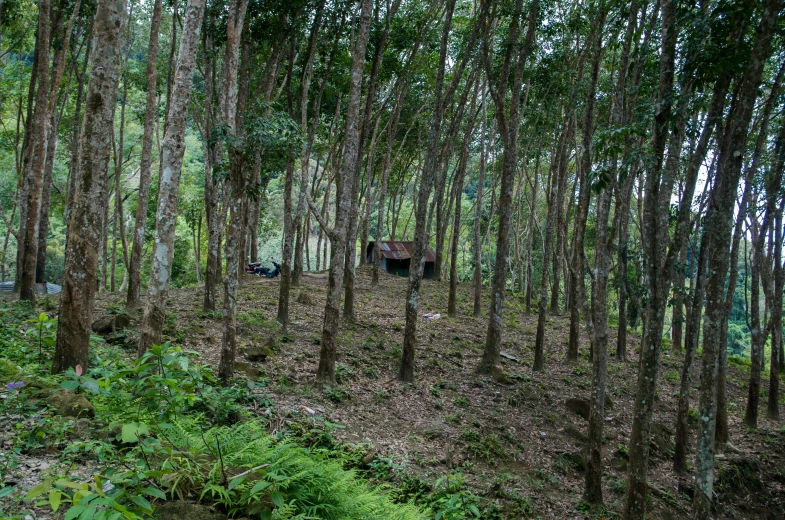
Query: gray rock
[
  {"x": 70, "y": 404},
  {"x": 255, "y": 354},
  {"x": 111, "y": 323},
  {"x": 181, "y": 510},
  {"x": 581, "y": 407}
]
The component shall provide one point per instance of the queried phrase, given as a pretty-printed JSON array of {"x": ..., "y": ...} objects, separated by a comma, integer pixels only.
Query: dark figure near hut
[{"x": 396, "y": 256}]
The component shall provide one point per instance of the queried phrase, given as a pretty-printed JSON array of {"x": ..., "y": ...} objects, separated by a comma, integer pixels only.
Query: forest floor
[
  {"x": 515, "y": 442},
  {"x": 519, "y": 444}
]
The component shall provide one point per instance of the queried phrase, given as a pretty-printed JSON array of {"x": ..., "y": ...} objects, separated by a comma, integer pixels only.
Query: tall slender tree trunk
[
  {"x": 416, "y": 267},
  {"x": 236, "y": 186},
  {"x": 539, "y": 345},
  {"x": 602, "y": 265},
  {"x": 452, "y": 298},
  {"x": 305, "y": 87},
  {"x": 58, "y": 68},
  {"x": 477, "y": 224},
  {"x": 772, "y": 409},
  {"x": 81, "y": 254},
  {"x": 173, "y": 148},
  {"x": 34, "y": 168},
  {"x": 344, "y": 180},
  {"x": 690, "y": 348},
  {"x": 655, "y": 235},
  {"x": 145, "y": 164},
  {"x": 718, "y": 223},
  {"x": 508, "y": 118}
]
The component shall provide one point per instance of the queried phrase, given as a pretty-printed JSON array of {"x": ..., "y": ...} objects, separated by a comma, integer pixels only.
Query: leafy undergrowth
[
  {"x": 454, "y": 444},
  {"x": 161, "y": 428}
]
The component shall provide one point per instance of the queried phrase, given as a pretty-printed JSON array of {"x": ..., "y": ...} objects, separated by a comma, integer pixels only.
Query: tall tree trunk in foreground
[
  {"x": 758, "y": 331},
  {"x": 718, "y": 222},
  {"x": 761, "y": 273},
  {"x": 212, "y": 207},
  {"x": 236, "y": 186},
  {"x": 508, "y": 118},
  {"x": 81, "y": 254},
  {"x": 173, "y": 149},
  {"x": 655, "y": 240},
  {"x": 599, "y": 304},
  {"x": 690, "y": 348},
  {"x": 602, "y": 263},
  {"x": 34, "y": 167},
  {"x": 344, "y": 180},
  {"x": 577, "y": 284},
  {"x": 406, "y": 372},
  {"x": 305, "y": 86},
  {"x": 145, "y": 164},
  {"x": 58, "y": 68}
]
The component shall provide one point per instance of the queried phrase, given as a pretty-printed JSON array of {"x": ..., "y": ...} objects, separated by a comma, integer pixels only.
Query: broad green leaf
[
  {"x": 277, "y": 499},
  {"x": 236, "y": 482},
  {"x": 262, "y": 484},
  {"x": 39, "y": 490},
  {"x": 71, "y": 485},
  {"x": 131, "y": 431},
  {"x": 54, "y": 499},
  {"x": 88, "y": 513},
  {"x": 90, "y": 384},
  {"x": 70, "y": 384},
  {"x": 142, "y": 502},
  {"x": 154, "y": 492},
  {"x": 74, "y": 512}
]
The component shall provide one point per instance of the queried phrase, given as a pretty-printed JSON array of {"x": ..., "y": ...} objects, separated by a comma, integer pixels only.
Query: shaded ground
[{"x": 519, "y": 443}]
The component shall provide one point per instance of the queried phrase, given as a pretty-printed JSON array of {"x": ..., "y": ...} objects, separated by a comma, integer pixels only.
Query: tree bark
[
  {"x": 34, "y": 168},
  {"x": 452, "y": 297},
  {"x": 236, "y": 195},
  {"x": 344, "y": 181},
  {"x": 145, "y": 164},
  {"x": 81, "y": 255},
  {"x": 173, "y": 149},
  {"x": 58, "y": 68},
  {"x": 655, "y": 234},
  {"x": 508, "y": 119},
  {"x": 416, "y": 267},
  {"x": 718, "y": 219},
  {"x": 539, "y": 345}
]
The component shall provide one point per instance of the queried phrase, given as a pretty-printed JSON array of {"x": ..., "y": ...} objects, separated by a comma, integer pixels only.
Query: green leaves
[{"x": 132, "y": 431}]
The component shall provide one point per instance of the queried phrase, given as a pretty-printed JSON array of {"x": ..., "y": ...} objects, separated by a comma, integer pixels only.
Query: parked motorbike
[
  {"x": 251, "y": 268},
  {"x": 265, "y": 272}
]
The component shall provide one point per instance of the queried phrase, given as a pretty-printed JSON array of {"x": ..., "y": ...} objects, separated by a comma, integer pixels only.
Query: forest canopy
[{"x": 617, "y": 164}]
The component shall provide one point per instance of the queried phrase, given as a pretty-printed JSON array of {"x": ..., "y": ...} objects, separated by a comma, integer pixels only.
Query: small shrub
[{"x": 337, "y": 394}]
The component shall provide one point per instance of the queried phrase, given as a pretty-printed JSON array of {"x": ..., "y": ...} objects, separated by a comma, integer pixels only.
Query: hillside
[{"x": 518, "y": 446}]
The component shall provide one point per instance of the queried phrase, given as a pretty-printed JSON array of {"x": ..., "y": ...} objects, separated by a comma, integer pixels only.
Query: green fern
[{"x": 287, "y": 480}]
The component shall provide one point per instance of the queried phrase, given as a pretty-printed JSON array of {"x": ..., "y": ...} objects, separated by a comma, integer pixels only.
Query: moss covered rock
[
  {"x": 181, "y": 510},
  {"x": 70, "y": 404}
]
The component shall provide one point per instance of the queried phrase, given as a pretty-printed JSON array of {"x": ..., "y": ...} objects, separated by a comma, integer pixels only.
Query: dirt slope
[{"x": 517, "y": 443}]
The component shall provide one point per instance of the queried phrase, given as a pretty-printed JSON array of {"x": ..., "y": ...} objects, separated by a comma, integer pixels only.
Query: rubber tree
[
  {"x": 173, "y": 150},
  {"x": 327, "y": 356},
  {"x": 145, "y": 163},
  {"x": 90, "y": 190},
  {"x": 508, "y": 80}
]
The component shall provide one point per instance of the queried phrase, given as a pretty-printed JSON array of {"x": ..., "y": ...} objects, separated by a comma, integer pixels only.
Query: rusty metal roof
[{"x": 399, "y": 250}]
